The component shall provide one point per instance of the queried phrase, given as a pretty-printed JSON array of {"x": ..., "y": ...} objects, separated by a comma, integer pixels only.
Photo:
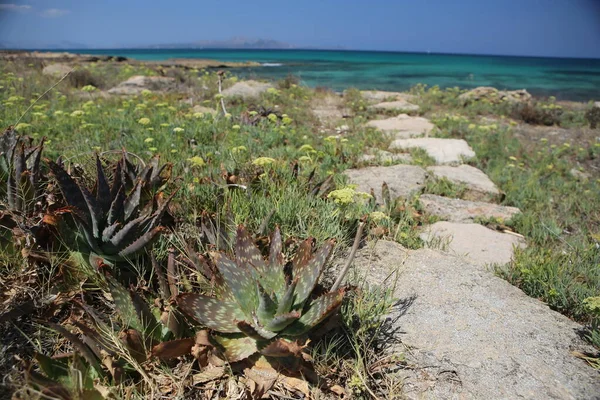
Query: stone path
[
  {"x": 403, "y": 126},
  {"x": 471, "y": 334}
]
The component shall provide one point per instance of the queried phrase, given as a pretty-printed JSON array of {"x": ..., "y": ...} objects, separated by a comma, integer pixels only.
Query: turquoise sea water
[{"x": 569, "y": 79}]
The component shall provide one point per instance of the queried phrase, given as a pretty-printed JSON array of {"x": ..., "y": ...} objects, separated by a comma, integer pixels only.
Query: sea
[{"x": 563, "y": 78}]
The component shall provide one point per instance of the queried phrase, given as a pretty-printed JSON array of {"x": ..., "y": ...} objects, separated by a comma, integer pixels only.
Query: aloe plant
[
  {"x": 257, "y": 308},
  {"x": 20, "y": 166},
  {"x": 112, "y": 222}
]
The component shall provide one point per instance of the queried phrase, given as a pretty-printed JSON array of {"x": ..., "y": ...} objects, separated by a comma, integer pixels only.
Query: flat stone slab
[
  {"x": 247, "y": 89},
  {"x": 402, "y": 180},
  {"x": 474, "y": 242},
  {"x": 57, "y": 69},
  {"x": 385, "y": 157},
  {"x": 479, "y": 186},
  {"x": 457, "y": 210},
  {"x": 443, "y": 151},
  {"x": 378, "y": 96},
  {"x": 468, "y": 334},
  {"x": 398, "y": 105},
  {"x": 137, "y": 84},
  {"x": 403, "y": 126}
]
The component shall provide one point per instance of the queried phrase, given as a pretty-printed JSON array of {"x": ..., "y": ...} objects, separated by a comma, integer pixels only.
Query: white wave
[{"x": 271, "y": 64}]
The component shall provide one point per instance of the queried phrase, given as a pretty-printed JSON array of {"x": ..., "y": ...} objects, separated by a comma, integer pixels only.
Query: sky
[{"x": 555, "y": 28}]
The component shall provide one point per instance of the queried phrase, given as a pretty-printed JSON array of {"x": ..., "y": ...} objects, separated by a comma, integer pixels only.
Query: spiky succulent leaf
[
  {"x": 266, "y": 305},
  {"x": 102, "y": 188},
  {"x": 254, "y": 331},
  {"x": 240, "y": 282},
  {"x": 246, "y": 253},
  {"x": 275, "y": 277},
  {"x": 287, "y": 301},
  {"x": 280, "y": 322},
  {"x": 317, "y": 311},
  {"x": 217, "y": 314},
  {"x": 236, "y": 348},
  {"x": 70, "y": 189},
  {"x": 133, "y": 200},
  {"x": 308, "y": 273},
  {"x": 124, "y": 305},
  {"x": 140, "y": 243}
]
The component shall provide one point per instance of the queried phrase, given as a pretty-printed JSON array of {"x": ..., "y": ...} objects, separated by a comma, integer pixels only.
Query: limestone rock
[
  {"x": 247, "y": 89},
  {"x": 580, "y": 175},
  {"x": 397, "y": 105},
  {"x": 402, "y": 180},
  {"x": 136, "y": 84},
  {"x": 474, "y": 242},
  {"x": 479, "y": 186},
  {"x": 457, "y": 210},
  {"x": 378, "y": 96},
  {"x": 403, "y": 126},
  {"x": 57, "y": 69},
  {"x": 472, "y": 335},
  {"x": 443, "y": 151},
  {"x": 495, "y": 96},
  {"x": 377, "y": 156}
]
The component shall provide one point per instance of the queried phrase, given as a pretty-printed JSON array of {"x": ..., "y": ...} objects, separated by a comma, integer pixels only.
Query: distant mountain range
[{"x": 233, "y": 43}]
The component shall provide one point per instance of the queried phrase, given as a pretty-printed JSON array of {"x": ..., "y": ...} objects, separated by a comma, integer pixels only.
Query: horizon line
[{"x": 150, "y": 47}]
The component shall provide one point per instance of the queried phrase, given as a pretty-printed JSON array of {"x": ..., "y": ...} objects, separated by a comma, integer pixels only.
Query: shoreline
[{"x": 72, "y": 58}]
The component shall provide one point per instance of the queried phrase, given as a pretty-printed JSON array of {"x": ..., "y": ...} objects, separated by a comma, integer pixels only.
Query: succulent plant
[
  {"x": 257, "y": 308},
  {"x": 112, "y": 222}
]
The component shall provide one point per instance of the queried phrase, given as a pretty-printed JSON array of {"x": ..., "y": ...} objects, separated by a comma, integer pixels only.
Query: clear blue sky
[{"x": 567, "y": 28}]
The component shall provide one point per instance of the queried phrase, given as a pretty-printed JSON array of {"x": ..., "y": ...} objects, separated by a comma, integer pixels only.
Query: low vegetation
[{"x": 154, "y": 246}]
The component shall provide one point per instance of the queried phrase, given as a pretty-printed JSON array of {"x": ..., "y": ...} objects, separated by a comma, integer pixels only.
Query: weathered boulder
[
  {"x": 402, "y": 180},
  {"x": 457, "y": 210},
  {"x": 136, "y": 84},
  {"x": 403, "y": 126},
  {"x": 204, "y": 110},
  {"x": 479, "y": 187},
  {"x": 377, "y": 156},
  {"x": 494, "y": 95},
  {"x": 57, "y": 69},
  {"x": 443, "y": 151},
  {"x": 247, "y": 89},
  {"x": 396, "y": 105},
  {"x": 378, "y": 96},
  {"x": 472, "y": 335}
]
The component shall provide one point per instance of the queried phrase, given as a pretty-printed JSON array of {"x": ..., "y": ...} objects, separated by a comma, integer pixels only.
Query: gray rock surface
[
  {"x": 479, "y": 186},
  {"x": 377, "y": 156},
  {"x": 136, "y": 84},
  {"x": 402, "y": 180},
  {"x": 457, "y": 210},
  {"x": 468, "y": 334},
  {"x": 247, "y": 89},
  {"x": 57, "y": 69},
  {"x": 443, "y": 151},
  {"x": 397, "y": 105},
  {"x": 474, "y": 242},
  {"x": 403, "y": 126},
  {"x": 494, "y": 95},
  {"x": 378, "y": 96}
]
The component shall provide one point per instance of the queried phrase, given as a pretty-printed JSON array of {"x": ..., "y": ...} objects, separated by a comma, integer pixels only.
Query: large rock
[
  {"x": 402, "y": 180},
  {"x": 478, "y": 186},
  {"x": 457, "y": 210},
  {"x": 443, "y": 151},
  {"x": 403, "y": 126},
  {"x": 495, "y": 96},
  {"x": 136, "y": 84},
  {"x": 472, "y": 335},
  {"x": 204, "y": 110},
  {"x": 396, "y": 105},
  {"x": 474, "y": 242},
  {"x": 378, "y": 96},
  {"x": 247, "y": 89},
  {"x": 57, "y": 69},
  {"x": 376, "y": 156}
]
